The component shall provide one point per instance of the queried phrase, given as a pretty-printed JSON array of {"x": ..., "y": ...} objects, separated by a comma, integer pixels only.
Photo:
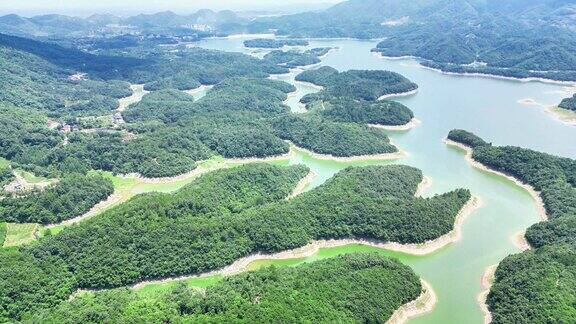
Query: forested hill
[
  {"x": 352, "y": 288},
  {"x": 520, "y": 35},
  {"x": 69, "y": 58},
  {"x": 358, "y": 84},
  {"x": 536, "y": 286},
  {"x": 221, "y": 217},
  {"x": 168, "y": 130},
  {"x": 31, "y": 82}
]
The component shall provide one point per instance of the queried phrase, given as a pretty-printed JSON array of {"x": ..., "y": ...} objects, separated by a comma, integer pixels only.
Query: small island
[
  {"x": 359, "y": 84},
  {"x": 293, "y": 59},
  {"x": 566, "y": 111},
  {"x": 360, "y": 97},
  {"x": 568, "y": 103},
  {"x": 378, "y": 113}
]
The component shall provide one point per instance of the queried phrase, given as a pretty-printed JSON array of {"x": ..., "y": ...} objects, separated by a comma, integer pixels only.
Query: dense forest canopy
[
  {"x": 29, "y": 144},
  {"x": 383, "y": 112},
  {"x": 348, "y": 288},
  {"x": 186, "y": 68},
  {"x": 32, "y": 69},
  {"x": 161, "y": 218},
  {"x": 371, "y": 202},
  {"x": 153, "y": 151},
  {"x": 294, "y": 58},
  {"x": 537, "y": 285},
  {"x": 2, "y": 233},
  {"x": 72, "y": 196},
  {"x": 332, "y": 138},
  {"x": 70, "y": 58},
  {"x": 168, "y": 132},
  {"x": 218, "y": 218},
  {"x": 221, "y": 216},
  {"x": 6, "y": 176},
  {"x": 357, "y": 84},
  {"x": 31, "y": 82},
  {"x": 30, "y": 283}
]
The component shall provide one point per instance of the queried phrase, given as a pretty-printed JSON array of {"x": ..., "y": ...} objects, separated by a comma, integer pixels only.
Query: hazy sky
[{"x": 125, "y": 7}]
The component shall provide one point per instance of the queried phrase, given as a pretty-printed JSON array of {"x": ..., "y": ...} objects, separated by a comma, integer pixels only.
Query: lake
[{"x": 490, "y": 108}]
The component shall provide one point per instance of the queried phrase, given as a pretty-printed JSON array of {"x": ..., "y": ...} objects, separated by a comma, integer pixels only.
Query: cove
[{"x": 486, "y": 106}]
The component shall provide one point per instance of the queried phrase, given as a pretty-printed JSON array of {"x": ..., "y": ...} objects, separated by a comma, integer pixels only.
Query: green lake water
[{"x": 486, "y": 106}]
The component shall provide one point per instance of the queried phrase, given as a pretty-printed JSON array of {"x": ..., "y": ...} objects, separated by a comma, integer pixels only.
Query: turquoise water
[{"x": 486, "y": 106}]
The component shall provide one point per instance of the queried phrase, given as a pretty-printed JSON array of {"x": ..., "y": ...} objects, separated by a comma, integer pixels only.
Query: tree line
[
  {"x": 360, "y": 287},
  {"x": 73, "y": 195},
  {"x": 535, "y": 286},
  {"x": 220, "y": 217}
]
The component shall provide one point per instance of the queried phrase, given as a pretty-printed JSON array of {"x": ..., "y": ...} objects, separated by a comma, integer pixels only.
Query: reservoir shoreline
[
  {"x": 519, "y": 242},
  {"x": 484, "y": 75},
  {"x": 384, "y": 156},
  {"x": 535, "y": 194},
  {"x": 408, "y": 126},
  {"x": 424, "y": 304},
  {"x": 242, "y": 264},
  {"x": 486, "y": 282}
]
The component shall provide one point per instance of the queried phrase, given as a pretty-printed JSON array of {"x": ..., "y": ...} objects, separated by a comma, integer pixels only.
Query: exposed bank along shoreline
[
  {"x": 411, "y": 124},
  {"x": 565, "y": 116},
  {"x": 116, "y": 198},
  {"x": 486, "y": 282},
  {"x": 243, "y": 264},
  {"x": 533, "y": 193},
  {"x": 519, "y": 242},
  {"x": 384, "y": 156},
  {"x": 398, "y": 94},
  {"x": 302, "y": 184},
  {"x": 484, "y": 75},
  {"x": 424, "y": 304}
]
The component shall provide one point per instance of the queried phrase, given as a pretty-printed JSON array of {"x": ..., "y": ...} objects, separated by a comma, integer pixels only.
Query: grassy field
[
  {"x": 4, "y": 163},
  {"x": 126, "y": 188},
  {"x": 96, "y": 121},
  {"x": 31, "y": 178},
  {"x": 19, "y": 234},
  {"x": 154, "y": 290}
]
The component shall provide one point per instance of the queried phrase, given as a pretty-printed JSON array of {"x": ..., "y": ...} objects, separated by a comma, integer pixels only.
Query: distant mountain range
[
  {"x": 518, "y": 38},
  {"x": 375, "y": 18},
  {"x": 162, "y": 22},
  {"x": 515, "y": 38}
]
